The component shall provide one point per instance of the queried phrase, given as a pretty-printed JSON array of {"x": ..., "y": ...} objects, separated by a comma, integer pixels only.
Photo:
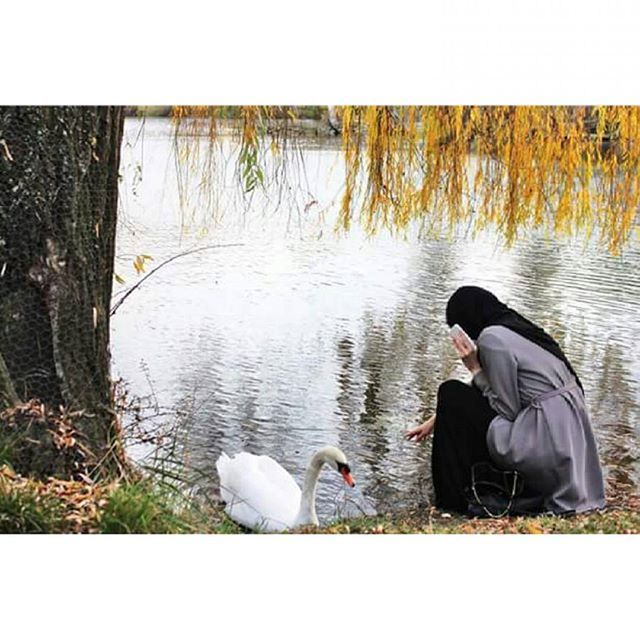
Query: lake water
[{"x": 300, "y": 338}]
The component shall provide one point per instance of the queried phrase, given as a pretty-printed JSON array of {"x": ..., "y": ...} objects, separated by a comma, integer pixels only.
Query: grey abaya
[{"x": 542, "y": 428}]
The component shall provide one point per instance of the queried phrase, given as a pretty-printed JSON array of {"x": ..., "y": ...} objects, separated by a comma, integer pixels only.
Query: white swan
[{"x": 262, "y": 495}]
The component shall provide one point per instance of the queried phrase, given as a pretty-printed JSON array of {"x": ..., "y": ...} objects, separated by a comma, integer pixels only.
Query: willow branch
[{"x": 128, "y": 292}]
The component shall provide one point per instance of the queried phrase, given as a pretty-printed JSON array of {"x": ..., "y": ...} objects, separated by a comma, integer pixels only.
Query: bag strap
[{"x": 484, "y": 507}]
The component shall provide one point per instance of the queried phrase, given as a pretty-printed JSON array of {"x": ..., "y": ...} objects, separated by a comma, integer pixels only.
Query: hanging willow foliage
[{"x": 565, "y": 169}]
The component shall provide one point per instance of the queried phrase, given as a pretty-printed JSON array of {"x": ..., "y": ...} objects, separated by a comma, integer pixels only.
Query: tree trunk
[{"x": 58, "y": 200}]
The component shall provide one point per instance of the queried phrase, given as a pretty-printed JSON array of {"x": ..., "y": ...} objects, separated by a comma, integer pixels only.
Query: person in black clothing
[{"x": 524, "y": 411}]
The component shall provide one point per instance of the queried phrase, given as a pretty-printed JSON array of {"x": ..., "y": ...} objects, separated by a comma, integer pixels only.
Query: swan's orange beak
[{"x": 346, "y": 474}]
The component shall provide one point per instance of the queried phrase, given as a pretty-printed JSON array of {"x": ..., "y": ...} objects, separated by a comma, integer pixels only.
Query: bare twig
[{"x": 128, "y": 292}]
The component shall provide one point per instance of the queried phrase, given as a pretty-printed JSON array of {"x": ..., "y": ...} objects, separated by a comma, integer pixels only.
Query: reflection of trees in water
[
  {"x": 346, "y": 360},
  {"x": 202, "y": 429},
  {"x": 537, "y": 267},
  {"x": 218, "y": 419},
  {"x": 433, "y": 359},
  {"x": 376, "y": 349},
  {"x": 543, "y": 278},
  {"x": 546, "y": 278},
  {"x": 360, "y": 403},
  {"x": 246, "y": 417},
  {"x": 431, "y": 287},
  {"x": 393, "y": 384},
  {"x": 616, "y": 415}
]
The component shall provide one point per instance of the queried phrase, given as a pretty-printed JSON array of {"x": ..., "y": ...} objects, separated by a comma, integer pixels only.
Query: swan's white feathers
[{"x": 258, "y": 492}]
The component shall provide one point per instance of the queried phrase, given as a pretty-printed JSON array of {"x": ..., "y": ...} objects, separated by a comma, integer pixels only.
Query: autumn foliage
[{"x": 563, "y": 169}]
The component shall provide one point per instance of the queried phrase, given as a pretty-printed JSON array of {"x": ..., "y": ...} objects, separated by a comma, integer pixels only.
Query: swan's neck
[{"x": 307, "y": 513}]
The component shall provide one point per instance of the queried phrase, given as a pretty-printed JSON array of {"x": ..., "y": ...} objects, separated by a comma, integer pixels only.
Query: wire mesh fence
[{"x": 58, "y": 197}]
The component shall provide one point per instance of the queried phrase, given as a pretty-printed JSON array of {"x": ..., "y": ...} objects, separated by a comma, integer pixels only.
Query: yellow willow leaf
[{"x": 138, "y": 264}]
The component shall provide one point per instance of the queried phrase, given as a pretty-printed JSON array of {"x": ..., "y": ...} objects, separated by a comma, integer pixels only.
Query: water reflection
[
  {"x": 300, "y": 339},
  {"x": 617, "y": 413}
]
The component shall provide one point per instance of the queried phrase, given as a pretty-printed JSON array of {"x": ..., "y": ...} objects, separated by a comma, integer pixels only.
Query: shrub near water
[{"x": 25, "y": 512}]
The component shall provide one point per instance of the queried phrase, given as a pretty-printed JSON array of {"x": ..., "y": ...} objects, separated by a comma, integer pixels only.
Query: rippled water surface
[{"x": 299, "y": 338}]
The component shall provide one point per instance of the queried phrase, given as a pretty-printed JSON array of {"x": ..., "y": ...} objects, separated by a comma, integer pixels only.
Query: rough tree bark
[{"x": 58, "y": 199}]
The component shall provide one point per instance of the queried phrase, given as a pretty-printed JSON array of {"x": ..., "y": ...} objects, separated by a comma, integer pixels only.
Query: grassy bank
[
  {"x": 51, "y": 483},
  {"x": 612, "y": 520},
  {"x": 46, "y": 486},
  {"x": 66, "y": 506},
  {"x": 28, "y": 505}
]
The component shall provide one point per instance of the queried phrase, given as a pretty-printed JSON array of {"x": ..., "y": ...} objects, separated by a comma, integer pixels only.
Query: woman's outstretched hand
[
  {"x": 468, "y": 354},
  {"x": 421, "y": 432}
]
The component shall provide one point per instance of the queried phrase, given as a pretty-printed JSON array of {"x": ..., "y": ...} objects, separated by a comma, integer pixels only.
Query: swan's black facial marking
[
  {"x": 343, "y": 468},
  {"x": 346, "y": 473}
]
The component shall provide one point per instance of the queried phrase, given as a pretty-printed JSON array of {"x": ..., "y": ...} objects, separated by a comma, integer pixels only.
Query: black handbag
[{"x": 493, "y": 492}]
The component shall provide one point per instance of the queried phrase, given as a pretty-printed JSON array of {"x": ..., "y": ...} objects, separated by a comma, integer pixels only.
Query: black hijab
[{"x": 474, "y": 309}]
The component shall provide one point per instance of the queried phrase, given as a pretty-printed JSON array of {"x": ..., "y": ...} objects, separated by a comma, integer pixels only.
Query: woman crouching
[{"x": 524, "y": 411}]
